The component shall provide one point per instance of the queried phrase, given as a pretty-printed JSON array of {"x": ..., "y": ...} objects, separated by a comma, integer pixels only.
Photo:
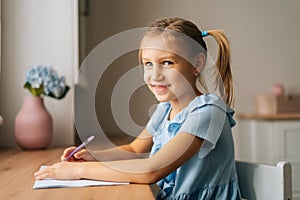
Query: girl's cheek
[{"x": 146, "y": 76}]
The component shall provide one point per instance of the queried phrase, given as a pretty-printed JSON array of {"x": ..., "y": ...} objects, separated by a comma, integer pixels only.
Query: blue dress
[{"x": 210, "y": 173}]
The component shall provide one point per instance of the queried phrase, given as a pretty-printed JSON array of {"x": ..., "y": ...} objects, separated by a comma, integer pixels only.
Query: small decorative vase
[{"x": 33, "y": 124}]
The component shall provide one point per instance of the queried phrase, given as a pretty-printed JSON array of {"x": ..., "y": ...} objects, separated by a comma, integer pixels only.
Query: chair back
[{"x": 260, "y": 181}]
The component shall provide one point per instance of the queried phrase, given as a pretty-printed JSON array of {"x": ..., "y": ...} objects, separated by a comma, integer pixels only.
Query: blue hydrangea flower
[{"x": 44, "y": 80}]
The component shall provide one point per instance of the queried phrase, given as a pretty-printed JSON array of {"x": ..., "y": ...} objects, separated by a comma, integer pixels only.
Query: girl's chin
[{"x": 163, "y": 98}]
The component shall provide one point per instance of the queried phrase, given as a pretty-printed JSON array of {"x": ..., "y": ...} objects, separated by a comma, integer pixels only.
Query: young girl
[{"x": 188, "y": 136}]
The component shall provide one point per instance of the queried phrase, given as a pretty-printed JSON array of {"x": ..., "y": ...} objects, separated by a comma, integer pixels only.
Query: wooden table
[{"x": 16, "y": 180}]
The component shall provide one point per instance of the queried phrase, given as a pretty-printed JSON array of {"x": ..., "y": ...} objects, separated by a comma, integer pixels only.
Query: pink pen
[{"x": 80, "y": 147}]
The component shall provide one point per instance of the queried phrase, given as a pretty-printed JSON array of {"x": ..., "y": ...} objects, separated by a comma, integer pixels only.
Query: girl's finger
[
  {"x": 81, "y": 154},
  {"x": 78, "y": 155},
  {"x": 84, "y": 155},
  {"x": 66, "y": 152},
  {"x": 41, "y": 174}
]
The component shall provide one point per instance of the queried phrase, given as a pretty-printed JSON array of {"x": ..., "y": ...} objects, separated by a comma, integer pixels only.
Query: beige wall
[
  {"x": 37, "y": 32},
  {"x": 264, "y": 36}
]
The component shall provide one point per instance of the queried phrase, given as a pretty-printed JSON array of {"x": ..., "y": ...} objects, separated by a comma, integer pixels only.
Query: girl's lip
[
  {"x": 160, "y": 89},
  {"x": 160, "y": 85}
]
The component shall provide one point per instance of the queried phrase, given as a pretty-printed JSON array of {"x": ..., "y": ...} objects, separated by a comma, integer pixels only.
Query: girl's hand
[
  {"x": 82, "y": 155},
  {"x": 62, "y": 170}
]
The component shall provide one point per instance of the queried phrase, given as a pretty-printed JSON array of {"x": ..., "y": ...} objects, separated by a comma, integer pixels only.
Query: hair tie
[{"x": 204, "y": 33}]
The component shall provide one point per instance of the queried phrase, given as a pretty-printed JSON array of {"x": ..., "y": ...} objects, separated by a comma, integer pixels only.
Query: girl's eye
[
  {"x": 167, "y": 63},
  {"x": 148, "y": 64}
]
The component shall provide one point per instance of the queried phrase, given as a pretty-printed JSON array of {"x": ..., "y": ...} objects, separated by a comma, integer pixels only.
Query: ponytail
[{"x": 223, "y": 66}]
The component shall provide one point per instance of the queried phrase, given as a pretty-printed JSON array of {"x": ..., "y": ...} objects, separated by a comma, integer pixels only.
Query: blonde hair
[{"x": 168, "y": 26}]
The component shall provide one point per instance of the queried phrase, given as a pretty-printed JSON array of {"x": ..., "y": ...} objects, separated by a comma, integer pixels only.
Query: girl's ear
[{"x": 200, "y": 63}]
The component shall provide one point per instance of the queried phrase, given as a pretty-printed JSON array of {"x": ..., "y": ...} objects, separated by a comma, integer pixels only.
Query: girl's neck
[{"x": 178, "y": 105}]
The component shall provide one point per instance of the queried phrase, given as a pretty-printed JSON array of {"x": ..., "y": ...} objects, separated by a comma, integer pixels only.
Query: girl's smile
[{"x": 160, "y": 89}]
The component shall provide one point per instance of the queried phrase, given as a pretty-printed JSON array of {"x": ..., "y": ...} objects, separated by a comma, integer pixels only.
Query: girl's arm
[
  {"x": 136, "y": 149},
  {"x": 175, "y": 153}
]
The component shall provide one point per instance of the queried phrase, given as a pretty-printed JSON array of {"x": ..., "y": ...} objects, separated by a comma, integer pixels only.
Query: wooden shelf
[{"x": 279, "y": 116}]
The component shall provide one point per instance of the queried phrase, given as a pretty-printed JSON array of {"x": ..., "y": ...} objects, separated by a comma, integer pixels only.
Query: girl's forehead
[
  {"x": 148, "y": 53},
  {"x": 163, "y": 45},
  {"x": 157, "y": 42}
]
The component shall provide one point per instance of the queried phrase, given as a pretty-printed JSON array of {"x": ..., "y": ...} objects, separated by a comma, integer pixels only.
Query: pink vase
[{"x": 33, "y": 124}]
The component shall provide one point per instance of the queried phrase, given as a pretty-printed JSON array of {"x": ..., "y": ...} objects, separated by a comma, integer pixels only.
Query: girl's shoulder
[
  {"x": 209, "y": 106},
  {"x": 204, "y": 105},
  {"x": 209, "y": 100},
  {"x": 198, "y": 102}
]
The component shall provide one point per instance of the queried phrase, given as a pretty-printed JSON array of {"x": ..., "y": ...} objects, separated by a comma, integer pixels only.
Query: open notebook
[{"x": 53, "y": 183}]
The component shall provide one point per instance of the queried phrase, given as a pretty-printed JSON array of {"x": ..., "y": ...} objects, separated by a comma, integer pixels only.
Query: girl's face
[{"x": 168, "y": 76}]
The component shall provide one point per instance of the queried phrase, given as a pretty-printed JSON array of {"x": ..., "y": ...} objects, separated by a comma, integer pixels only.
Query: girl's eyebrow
[
  {"x": 145, "y": 59},
  {"x": 167, "y": 57},
  {"x": 162, "y": 58}
]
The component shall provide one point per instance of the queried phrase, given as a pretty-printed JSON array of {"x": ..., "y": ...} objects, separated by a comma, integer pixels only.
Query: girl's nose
[{"x": 156, "y": 73}]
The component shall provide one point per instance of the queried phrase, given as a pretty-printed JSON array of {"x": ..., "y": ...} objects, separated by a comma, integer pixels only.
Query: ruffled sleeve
[{"x": 206, "y": 119}]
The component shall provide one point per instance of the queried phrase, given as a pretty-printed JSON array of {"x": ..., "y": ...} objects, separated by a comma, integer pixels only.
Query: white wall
[{"x": 37, "y": 32}]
